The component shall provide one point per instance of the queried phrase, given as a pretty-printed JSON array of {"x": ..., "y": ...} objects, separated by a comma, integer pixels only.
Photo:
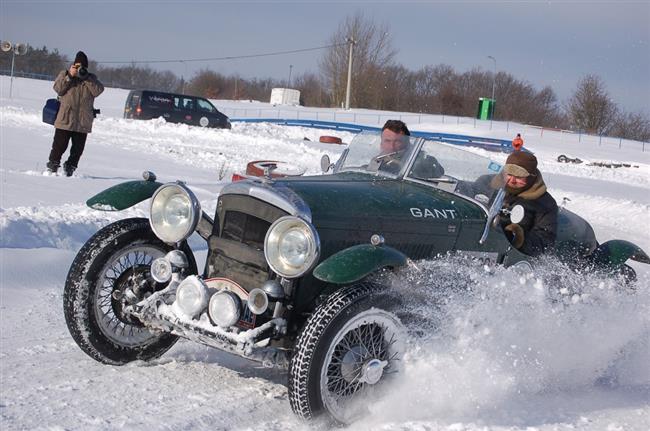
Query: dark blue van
[{"x": 174, "y": 108}]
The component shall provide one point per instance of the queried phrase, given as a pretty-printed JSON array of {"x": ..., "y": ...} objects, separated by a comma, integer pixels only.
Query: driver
[
  {"x": 524, "y": 186},
  {"x": 393, "y": 146}
]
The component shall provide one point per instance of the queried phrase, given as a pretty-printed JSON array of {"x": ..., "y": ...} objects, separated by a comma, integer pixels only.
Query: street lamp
[
  {"x": 494, "y": 79},
  {"x": 16, "y": 49}
]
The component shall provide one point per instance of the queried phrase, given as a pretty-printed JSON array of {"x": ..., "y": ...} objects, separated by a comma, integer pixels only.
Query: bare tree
[
  {"x": 590, "y": 108},
  {"x": 632, "y": 125},
  {"x": 311, "y": 89},
  {"x": 372, "y": 54}
]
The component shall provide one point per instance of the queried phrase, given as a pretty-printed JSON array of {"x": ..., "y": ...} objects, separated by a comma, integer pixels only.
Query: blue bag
[{"x": 50, "y": 110}]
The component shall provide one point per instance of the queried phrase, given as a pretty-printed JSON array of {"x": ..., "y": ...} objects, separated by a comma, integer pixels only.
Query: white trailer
[{"x": 285, "y": 96}]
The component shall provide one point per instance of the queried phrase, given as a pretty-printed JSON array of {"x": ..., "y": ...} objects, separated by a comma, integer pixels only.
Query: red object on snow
[{"x": 330, "y": 140}]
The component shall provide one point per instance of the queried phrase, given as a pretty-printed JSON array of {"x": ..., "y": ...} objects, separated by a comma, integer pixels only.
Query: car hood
[{"x": 356, "y": 199}]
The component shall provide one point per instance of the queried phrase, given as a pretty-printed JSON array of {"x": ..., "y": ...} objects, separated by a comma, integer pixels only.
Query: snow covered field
[{"x": 502, "y": 359}]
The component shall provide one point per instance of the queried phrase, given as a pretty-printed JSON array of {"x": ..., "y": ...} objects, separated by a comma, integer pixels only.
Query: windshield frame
[
  {"x": 415, "y": 144},
  {"x": 404, "y": 173}
]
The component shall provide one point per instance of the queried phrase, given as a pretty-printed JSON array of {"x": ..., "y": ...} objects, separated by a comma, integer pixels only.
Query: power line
[{"x": 233, "y": 57}]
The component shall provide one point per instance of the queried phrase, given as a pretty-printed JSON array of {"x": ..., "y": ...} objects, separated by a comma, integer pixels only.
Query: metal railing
[
  {"x": 286, "y": 113},
  {"x": 490, "y": 144}
]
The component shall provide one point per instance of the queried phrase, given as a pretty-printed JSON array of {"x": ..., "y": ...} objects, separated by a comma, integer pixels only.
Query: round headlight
[
  {"x": 192, "y": 296},
  {"x": 258, "y": 301},
  {"x": 291, "y": 246},
  {"x": 224, "y": 308},
  {"x": 175, "y": 212},
  {"x": 161, "y": 270}
]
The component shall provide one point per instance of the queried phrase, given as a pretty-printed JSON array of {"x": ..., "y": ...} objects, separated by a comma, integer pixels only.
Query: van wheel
[{"x": 203, "y": 122}]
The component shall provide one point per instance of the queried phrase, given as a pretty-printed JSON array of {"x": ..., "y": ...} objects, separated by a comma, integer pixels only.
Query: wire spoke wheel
[
  {"x": 363, "y": 353},
  {"x": 111, "y": 272},
  {"x": 123, "y": 271},
  {"x": 348, "y": 350}
]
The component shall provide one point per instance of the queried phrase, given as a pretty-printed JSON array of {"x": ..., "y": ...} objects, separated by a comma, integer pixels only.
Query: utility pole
[
  {"x": 289, "y": 82},
  {"x": 351, "y": 42},
  {"x": 494, "y": 79}
]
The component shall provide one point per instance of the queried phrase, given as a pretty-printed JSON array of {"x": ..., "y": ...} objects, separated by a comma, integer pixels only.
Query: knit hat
[
  {"x": 520, "y": 164},
  {"x": 81, "y": 58}
]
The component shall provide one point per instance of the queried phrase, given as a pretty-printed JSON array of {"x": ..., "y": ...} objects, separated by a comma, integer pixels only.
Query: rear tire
[
  {"x": 116, "y": 256},
  {"x": 350, "y": 346}
]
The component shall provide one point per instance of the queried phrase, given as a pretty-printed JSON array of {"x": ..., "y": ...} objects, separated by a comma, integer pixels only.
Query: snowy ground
[{"x": 502, "y": 359}]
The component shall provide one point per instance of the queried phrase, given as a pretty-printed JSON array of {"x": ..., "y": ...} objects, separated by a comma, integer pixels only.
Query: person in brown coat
[
  {"x": 536, "y": 233},
  {"x": 77, "y": 89}
]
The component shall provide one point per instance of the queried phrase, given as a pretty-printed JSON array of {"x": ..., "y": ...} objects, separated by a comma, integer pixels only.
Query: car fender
[
  {"x": 615, "y": 252},
  {"x": 124, "y": 195},
  {"x": 355, "y": 263}
]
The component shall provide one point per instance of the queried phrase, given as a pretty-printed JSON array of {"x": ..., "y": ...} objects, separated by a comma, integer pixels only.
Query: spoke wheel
[
  {"x": 127, "y": 269},
  {"x": 349, "y": 348},
  {"x": 114, "y": 261}
]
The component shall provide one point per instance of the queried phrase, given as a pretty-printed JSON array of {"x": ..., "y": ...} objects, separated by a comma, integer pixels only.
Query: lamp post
[
  {"x": 16, "y": 49},
  {"x": 494, "y": 79},
  {"x": 351, "y": 42}
]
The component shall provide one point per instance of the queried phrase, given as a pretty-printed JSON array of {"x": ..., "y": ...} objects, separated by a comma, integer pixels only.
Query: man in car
[
  {"x": 524, "y": 186},
  {"x": 393, "y": 146}
]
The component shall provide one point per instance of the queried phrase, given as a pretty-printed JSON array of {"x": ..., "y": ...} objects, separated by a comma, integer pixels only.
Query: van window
[
  {"x": 187, "y": 103},
  {"x": 157, "y": 100},
  {"x": 205, "y": 106}
]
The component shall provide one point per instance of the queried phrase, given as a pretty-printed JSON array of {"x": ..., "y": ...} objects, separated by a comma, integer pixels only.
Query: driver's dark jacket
[{"x": 540, "y": 217}]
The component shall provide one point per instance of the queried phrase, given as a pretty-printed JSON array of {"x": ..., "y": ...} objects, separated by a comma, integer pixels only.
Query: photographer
[{"x": 77, "y": 89}]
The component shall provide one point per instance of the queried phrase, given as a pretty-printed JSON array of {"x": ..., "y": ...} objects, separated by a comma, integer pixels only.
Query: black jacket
[{"x": 540, "y": 217}]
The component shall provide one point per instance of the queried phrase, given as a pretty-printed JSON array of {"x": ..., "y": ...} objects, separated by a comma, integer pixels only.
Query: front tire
[
  {"x": 347, "y": 350},
  {"x": 115, "y": 258}
]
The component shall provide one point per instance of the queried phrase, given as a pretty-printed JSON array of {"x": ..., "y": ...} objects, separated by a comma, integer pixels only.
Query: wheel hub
[
  {"x": 372, "y": 371},
  {"x": 129, "y": 282}
]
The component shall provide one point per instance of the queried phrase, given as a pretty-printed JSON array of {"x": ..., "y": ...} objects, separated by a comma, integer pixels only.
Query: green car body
[{"x": 416, "y": 215}]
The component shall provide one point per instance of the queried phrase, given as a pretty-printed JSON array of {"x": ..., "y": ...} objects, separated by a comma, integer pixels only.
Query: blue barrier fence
[{"x": 490, "y": 144}]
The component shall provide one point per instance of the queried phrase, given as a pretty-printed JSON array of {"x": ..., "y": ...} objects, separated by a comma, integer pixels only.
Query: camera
[
  {"x": 82, "y": 72},
  {"x": 96, "y": 112}
]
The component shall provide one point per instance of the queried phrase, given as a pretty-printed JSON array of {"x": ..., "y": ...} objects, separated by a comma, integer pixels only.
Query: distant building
[{"x": 285, "y": 96}]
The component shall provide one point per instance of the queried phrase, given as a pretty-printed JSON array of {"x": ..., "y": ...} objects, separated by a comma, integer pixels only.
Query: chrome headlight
[
  {"x": 192, "y": 296},
  {"x": 161, "y": 270},
  {"x": 224, "y": 308},
  {"x": 291, "y": 246},
  {"x": 258, "y": 301},
  {"x": 175, "y": 212}
]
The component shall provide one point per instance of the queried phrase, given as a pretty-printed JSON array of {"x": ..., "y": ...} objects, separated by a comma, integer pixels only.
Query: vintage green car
[{"x": 291, "y": 275}]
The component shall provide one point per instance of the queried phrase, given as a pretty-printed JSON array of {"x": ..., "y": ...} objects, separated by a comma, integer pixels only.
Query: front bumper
[{"x": 156, "y": 312}]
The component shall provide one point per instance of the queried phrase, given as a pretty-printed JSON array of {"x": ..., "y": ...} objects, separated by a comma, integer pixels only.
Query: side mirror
[
  {"x": 325, "y": 164},
  {"x": 517, "y": 214}
]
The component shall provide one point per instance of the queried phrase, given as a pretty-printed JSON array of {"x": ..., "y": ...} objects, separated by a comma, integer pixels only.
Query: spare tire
[
  {"x": 283, "y": 169},
  {"x": 330, "y": 140}
]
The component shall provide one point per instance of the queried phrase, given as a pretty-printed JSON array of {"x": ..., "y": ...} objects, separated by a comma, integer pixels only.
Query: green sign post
[{"x": 485, "y": 108}]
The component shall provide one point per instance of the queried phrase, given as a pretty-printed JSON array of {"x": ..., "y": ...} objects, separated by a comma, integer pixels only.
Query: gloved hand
[{"x": 517, "y": 234}]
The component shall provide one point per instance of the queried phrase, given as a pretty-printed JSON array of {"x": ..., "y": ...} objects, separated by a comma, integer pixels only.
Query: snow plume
[{"x": 489, "y": 339}]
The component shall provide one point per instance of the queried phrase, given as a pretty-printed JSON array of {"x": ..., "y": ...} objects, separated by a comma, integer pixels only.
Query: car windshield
[
  {"x": 457, "y": 169},
  {"x": 368, "y": 153}
]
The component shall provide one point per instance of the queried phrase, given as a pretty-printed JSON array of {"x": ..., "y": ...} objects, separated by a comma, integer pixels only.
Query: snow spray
[{"x": 487, "y": 340}]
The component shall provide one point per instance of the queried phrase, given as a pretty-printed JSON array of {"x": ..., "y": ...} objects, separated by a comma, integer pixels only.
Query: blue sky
[{"x": 545, "y": 43}]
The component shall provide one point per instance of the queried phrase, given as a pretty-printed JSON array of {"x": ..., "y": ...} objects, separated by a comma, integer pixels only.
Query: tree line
[{"x": 379, "y": 83}]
